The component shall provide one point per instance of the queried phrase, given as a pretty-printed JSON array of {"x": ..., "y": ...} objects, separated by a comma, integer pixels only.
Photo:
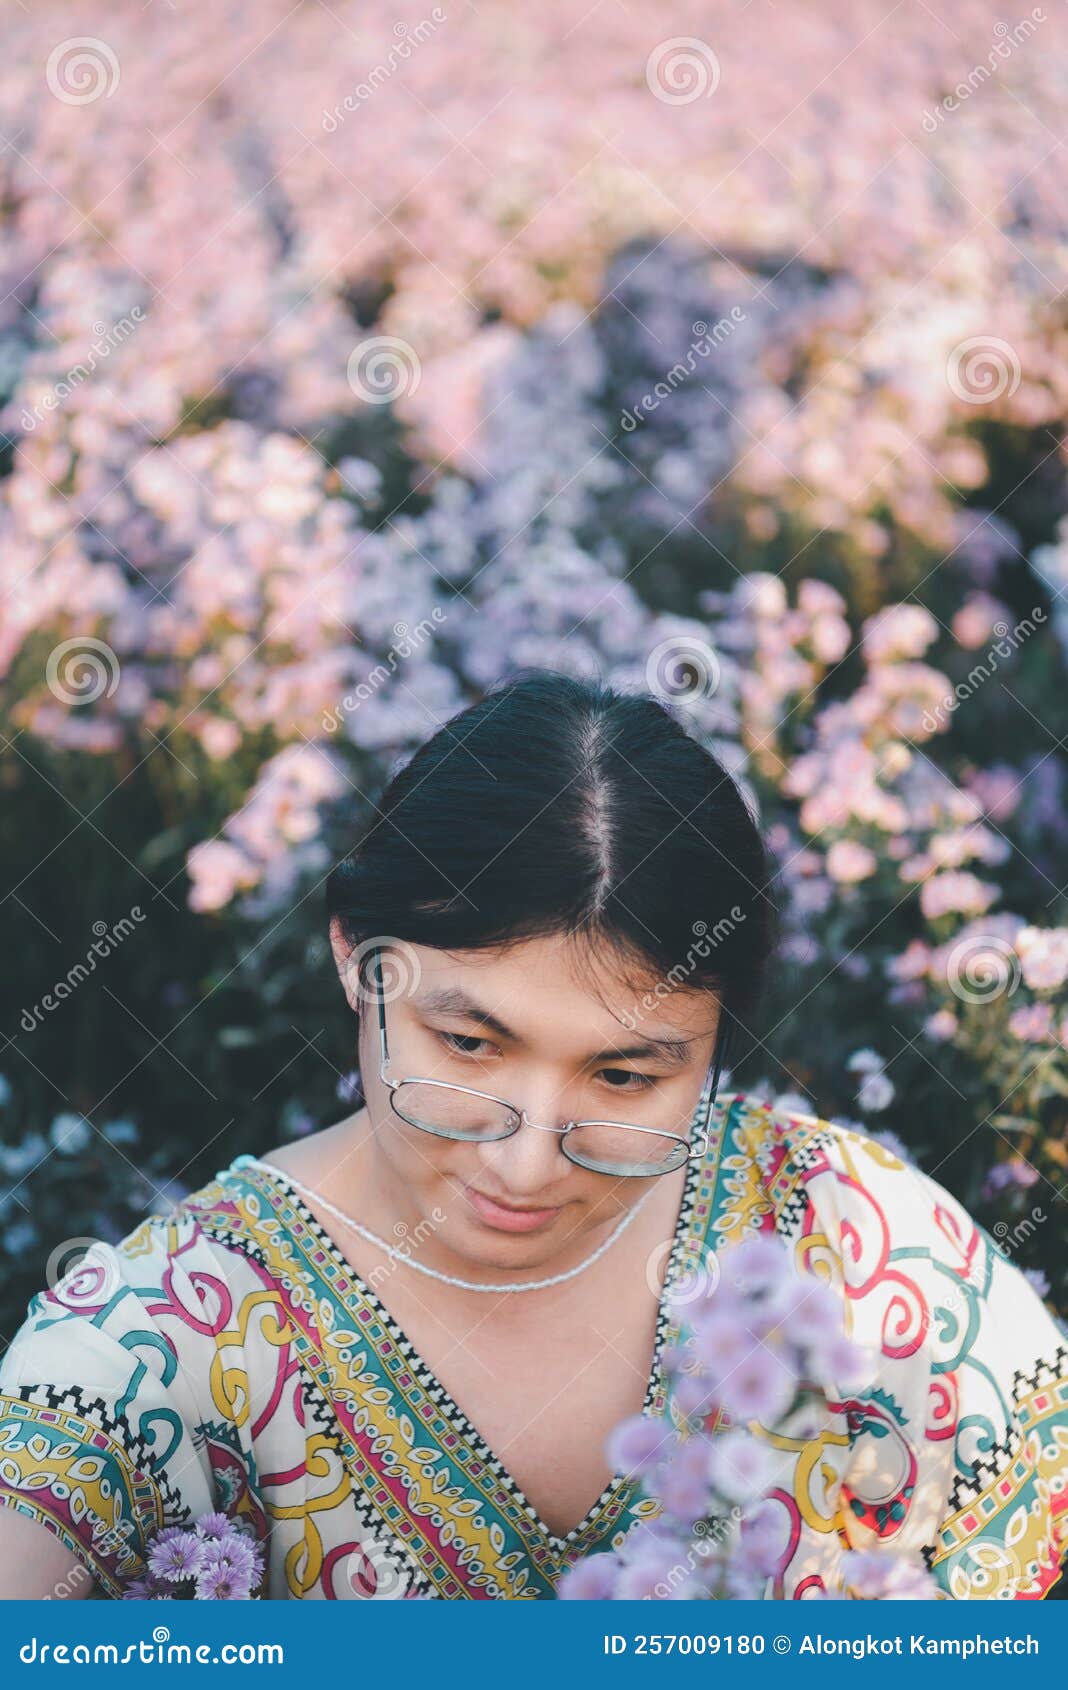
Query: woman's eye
[
  {"x": 624, "y": 1079},
  {"x": 463, "y": 1044}
]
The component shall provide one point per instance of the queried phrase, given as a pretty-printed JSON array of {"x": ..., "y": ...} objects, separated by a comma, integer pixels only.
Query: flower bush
[
  {"x": 762, "y": 1350},
  {"x": 489, "y": 346},
  {"x": 215, "y": 1560}
]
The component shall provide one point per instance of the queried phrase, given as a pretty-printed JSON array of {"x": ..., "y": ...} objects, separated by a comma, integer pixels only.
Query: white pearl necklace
[{"x": 432, "y": 1273}]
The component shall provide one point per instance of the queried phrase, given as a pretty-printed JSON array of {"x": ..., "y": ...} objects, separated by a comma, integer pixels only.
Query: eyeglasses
[{"x": 618, "y": 1148}]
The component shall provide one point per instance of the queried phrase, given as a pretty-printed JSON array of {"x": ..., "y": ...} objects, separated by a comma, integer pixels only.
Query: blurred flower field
[{"x": 351, "y": 361}]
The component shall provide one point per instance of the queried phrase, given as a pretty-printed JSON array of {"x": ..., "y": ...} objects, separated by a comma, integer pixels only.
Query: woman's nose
[{"x": 531, "y": 1158}]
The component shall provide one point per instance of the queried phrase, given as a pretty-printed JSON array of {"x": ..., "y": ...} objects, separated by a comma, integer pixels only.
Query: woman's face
[{"x": 560, "y": 1035}]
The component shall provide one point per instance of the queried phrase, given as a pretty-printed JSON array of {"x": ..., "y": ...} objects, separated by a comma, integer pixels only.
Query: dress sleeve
[
  {"x": 104, "y": 1438},
  {"x": 958, "y": 1446}
]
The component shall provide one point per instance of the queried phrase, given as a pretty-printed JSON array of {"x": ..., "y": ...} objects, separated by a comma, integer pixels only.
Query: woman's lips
[{"x": 504, "y": 1219}]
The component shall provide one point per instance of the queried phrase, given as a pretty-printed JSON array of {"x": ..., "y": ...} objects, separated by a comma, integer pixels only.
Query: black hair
[{"x": 561, "y": 805}]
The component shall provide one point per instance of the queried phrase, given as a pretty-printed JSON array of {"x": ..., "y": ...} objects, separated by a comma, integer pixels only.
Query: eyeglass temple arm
[
  {"x": 723, "y": 1040},
  {"x": 380, "y": 995}
]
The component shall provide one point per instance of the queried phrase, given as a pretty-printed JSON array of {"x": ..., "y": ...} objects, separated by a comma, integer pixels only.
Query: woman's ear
[{"x": 346, "y": 960}]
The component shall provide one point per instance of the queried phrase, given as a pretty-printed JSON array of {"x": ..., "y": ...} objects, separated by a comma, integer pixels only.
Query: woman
[{"x": 395, "y": 1349}]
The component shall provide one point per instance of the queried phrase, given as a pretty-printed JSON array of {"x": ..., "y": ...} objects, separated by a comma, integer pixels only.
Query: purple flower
[
  {"x": 656, "y": 1566},
  {"x": 1037, "y": 1280},
  {"x": 638, "y": 1443},
  {"x": 740, "y": 1467},
  {"x": 219, "y": 1582},
  {"x": 683, "y": 1483},
  {"x": 757, "y": 1267},
  {"x": 877, "y": 1577},
  {"x": 693, "y": 1394},
  {"x": 761, "y": 1387},
  {"x": 213, "y": 1525},
  {"x": 232, "y": 1549},
  {"x": 721, "y": 1341},
  {"x": 176, "y": 1557},
  {"x": 762, "y": 1539},
  {"x": 843, "y": 1364},
  {"x": 593, "y": 1579}
]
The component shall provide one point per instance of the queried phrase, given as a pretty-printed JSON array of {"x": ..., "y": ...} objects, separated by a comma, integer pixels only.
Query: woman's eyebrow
[{"x": 453, "y": 1000}]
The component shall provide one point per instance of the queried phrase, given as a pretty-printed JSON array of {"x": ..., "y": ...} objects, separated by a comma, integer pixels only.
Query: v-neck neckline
[{"x": 619, "y": 1484}]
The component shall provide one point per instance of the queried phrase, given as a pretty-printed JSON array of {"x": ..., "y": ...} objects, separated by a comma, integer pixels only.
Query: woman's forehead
[{"x": 550, "y": 984}]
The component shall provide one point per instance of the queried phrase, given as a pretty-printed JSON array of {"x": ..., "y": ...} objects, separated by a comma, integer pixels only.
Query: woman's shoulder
[{"x": 789, "y": 1148}]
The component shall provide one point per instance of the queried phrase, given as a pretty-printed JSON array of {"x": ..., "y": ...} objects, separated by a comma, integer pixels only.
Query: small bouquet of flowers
[
  {"x": 758, "y": 1342},
  {"x": 216, "y": 1560}
]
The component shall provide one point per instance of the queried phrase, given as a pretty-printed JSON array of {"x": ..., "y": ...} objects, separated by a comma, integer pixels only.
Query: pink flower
[
  {"x": 1043, "y": 954},
  {"x": 956, "y": 894},
  {"x": 849, "y": 862},
  {"x": 942, "y": 1025},
  {"x": 1032, "y": 1023}
]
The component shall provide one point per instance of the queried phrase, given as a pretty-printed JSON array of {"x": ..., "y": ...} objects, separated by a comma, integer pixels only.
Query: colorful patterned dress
[{"x": 227, "y": 1357}]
